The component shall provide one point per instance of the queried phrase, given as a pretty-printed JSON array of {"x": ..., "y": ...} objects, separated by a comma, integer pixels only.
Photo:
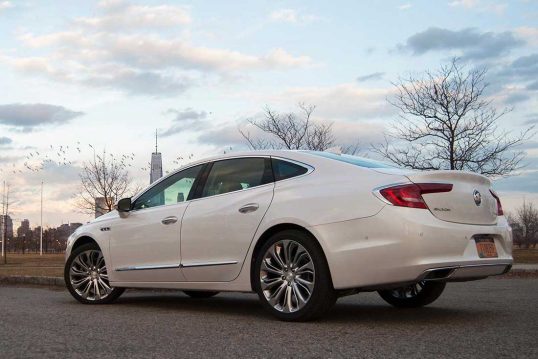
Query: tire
[
  {"x": 86, "y": 276},
  {"x": 200, "y": 294},
  {"x": 302, "y": 276},
  {"x": 414, "y": 296}
]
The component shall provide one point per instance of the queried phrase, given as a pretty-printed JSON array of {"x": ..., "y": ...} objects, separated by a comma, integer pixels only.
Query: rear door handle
[
  {"x": 247, "y": 208},
  {"x": 169, "y": 220}
]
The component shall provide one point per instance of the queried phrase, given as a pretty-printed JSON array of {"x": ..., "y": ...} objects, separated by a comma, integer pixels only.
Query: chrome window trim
[{"x": 309, "y": 168}]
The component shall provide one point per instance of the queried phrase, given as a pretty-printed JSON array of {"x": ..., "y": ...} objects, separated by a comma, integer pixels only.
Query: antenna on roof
[{"x": 156, "y": 151}]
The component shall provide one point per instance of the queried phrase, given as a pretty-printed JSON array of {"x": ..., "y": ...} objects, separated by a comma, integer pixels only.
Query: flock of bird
[{"x": 65, "y": 155}]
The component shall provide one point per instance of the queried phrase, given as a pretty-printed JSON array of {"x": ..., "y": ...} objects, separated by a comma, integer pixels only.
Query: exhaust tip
[{"x": 438, "y": 274}]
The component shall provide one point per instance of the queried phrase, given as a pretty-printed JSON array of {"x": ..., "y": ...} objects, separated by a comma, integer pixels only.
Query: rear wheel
[
  {"x": 200, "y": 294},
  {"x": 292, "y": 278},
  {"x": 415, "y": 295},
  {"x": 86, "y": 276}
]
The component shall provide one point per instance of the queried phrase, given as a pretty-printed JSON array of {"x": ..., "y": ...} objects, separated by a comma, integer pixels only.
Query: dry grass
[
  {"x": 49, "y": 265},
  {"x": 525, "y": 256}
]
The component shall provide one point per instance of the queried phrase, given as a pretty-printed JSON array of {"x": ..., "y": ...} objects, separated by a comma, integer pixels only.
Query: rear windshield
[{"x": 354, "y": 160}]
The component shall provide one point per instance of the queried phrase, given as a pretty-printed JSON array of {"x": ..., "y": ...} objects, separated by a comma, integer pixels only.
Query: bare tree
[
  {"x": 290, "y": 131},
  {"x": 448, "y": 123},
  {"x": 527, "y": 220},
  {"x": 104, "y": 180}
]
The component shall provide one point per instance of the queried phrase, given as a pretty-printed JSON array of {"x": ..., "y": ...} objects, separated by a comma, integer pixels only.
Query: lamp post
[{"x": 41, "y": 226}]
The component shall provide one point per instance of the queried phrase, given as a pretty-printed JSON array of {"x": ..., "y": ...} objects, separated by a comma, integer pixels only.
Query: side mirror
[{"x": 124, "y": 205}]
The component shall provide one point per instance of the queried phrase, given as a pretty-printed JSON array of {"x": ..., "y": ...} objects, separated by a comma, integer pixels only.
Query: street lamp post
[{"x": 41, "y": 227}]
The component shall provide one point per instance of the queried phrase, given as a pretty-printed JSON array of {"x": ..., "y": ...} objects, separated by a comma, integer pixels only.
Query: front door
[
  {"x": 145, "y": 243},
  {"x": 219, "y": 227}
]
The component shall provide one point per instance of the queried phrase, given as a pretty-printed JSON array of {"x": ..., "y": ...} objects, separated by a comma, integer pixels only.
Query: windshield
[{"x": 354, "y": 160}]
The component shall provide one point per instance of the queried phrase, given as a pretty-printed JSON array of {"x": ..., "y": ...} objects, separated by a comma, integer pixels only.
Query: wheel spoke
[
  {"x": 270, "y": 283},
  {"x": 268, "y": 267},
  {"x": 89, "y": 277},
  {"x": 287, "y": 276},
  {"x": 274, "y": 299}
]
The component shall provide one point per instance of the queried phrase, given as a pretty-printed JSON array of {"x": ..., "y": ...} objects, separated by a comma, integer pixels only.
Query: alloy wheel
[
  {"x": 89, "y": 277},
  {"x": 409, "y": 291},
  {"x": 287, "y": 276}
]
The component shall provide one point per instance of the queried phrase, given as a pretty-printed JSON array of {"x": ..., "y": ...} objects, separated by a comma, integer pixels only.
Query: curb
[{"x": 57, "y": 282}]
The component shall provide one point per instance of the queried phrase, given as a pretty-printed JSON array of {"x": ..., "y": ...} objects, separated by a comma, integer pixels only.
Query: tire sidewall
[
  {"x": 322, "y": 296},
  {"x": 116, "y": 292},
  {"x": 428, "y": 294}
]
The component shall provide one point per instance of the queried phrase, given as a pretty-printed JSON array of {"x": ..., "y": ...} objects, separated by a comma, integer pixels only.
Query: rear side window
[
  {"x": 237, "y": 174},
  {"x": 284, "y": 169}
]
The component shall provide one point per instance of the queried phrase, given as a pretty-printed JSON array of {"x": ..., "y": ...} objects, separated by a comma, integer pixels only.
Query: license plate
[{"x": 486, "y": 248}]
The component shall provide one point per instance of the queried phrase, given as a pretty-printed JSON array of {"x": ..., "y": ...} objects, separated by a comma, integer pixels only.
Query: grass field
[
  {"x": 48, "y": 265},
  {"x": 52, "y": 264},
  {"x": 525, "y": 256}
]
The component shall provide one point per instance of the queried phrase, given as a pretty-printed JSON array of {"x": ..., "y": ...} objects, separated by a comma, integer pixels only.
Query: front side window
[
  {"x": 237, "y": 174},
  {"x": 174, "y": 189}
]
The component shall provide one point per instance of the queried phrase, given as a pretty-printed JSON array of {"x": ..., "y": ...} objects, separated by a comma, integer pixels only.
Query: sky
[{"x": 109, "y": 73}]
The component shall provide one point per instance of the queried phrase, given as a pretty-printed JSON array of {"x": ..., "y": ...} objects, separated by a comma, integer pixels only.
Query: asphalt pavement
[{"x": 489, "y": 318}]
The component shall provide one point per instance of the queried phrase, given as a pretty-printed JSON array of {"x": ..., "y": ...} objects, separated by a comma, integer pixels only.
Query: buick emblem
[{"x": 477, "y": 198}]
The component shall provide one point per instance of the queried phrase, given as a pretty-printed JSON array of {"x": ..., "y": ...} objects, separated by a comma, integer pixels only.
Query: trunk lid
[{"x": 469, "y": 202}]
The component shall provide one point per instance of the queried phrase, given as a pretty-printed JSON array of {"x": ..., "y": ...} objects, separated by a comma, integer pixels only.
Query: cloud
[
  {"x": 523, "y": 70},
  {"x": 5, "y": 5},
  {"x": 478, "y": 5},
  {"x": 372, "y": 76},
  {"x": 27, "y": 117},
  {"x": 120, "y": 15},
  {"x": 405, "y": 6},
  {"x": 471, "y": 43},
  {"x": 113, "y": 50},
  {"x": 529, "y": 34},
  {"x": 291, "y": 16},
  {"x": 186, "y": 120},
  {"x": 532, "y": 119},
  {"x": 5, "y": 141},
  {"x": 344, "y": 101},
  {"x": 223, "y": 136}
]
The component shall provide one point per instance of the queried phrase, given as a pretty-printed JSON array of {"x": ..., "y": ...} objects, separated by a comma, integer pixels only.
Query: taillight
[
  {"x": 499, "y": 205},
  {"x": 410, "y": 195}
]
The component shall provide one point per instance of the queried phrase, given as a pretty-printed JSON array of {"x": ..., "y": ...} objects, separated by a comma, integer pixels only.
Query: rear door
[{"x": 218, "y": 227}]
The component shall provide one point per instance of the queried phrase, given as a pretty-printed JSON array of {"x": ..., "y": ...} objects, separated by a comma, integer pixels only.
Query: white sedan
[{"x": 299, "y": 228}]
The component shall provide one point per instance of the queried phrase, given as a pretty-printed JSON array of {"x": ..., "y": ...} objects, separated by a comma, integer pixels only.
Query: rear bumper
[
  {"x": 400, "y": 245},
  {"x": 464, "y": 272}
]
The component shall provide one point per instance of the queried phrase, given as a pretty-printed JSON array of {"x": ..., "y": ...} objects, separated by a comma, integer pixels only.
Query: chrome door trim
[
  {"x": 148, "y": 267},
  {"x": 207, "y": 264}
]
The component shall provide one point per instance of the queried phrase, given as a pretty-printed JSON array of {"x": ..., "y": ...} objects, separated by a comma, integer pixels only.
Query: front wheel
[
  {"x": 415, "y": 295},
  {"x": 292, "y": 278},
  {"x": 86, "y": 276}
]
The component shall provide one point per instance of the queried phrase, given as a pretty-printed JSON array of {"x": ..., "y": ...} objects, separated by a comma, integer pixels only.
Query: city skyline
[{"x": 90, "y": 77}]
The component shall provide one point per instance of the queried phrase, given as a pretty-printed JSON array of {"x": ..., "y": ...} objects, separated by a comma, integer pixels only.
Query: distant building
[
  {"x": 156, "y": 170},
  {"x": 24, "y": 229},
  {"x": 8, "y": 225},
  {"x": 101, "y": 206}
]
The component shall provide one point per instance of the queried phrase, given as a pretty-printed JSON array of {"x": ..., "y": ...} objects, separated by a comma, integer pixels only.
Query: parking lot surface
[{"x": 490, "y": 318}]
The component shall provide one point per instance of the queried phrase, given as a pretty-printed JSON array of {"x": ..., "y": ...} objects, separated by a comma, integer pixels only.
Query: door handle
[
  {"x": 169, "y": 220},
  {"x": 247, "y": 208}
]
